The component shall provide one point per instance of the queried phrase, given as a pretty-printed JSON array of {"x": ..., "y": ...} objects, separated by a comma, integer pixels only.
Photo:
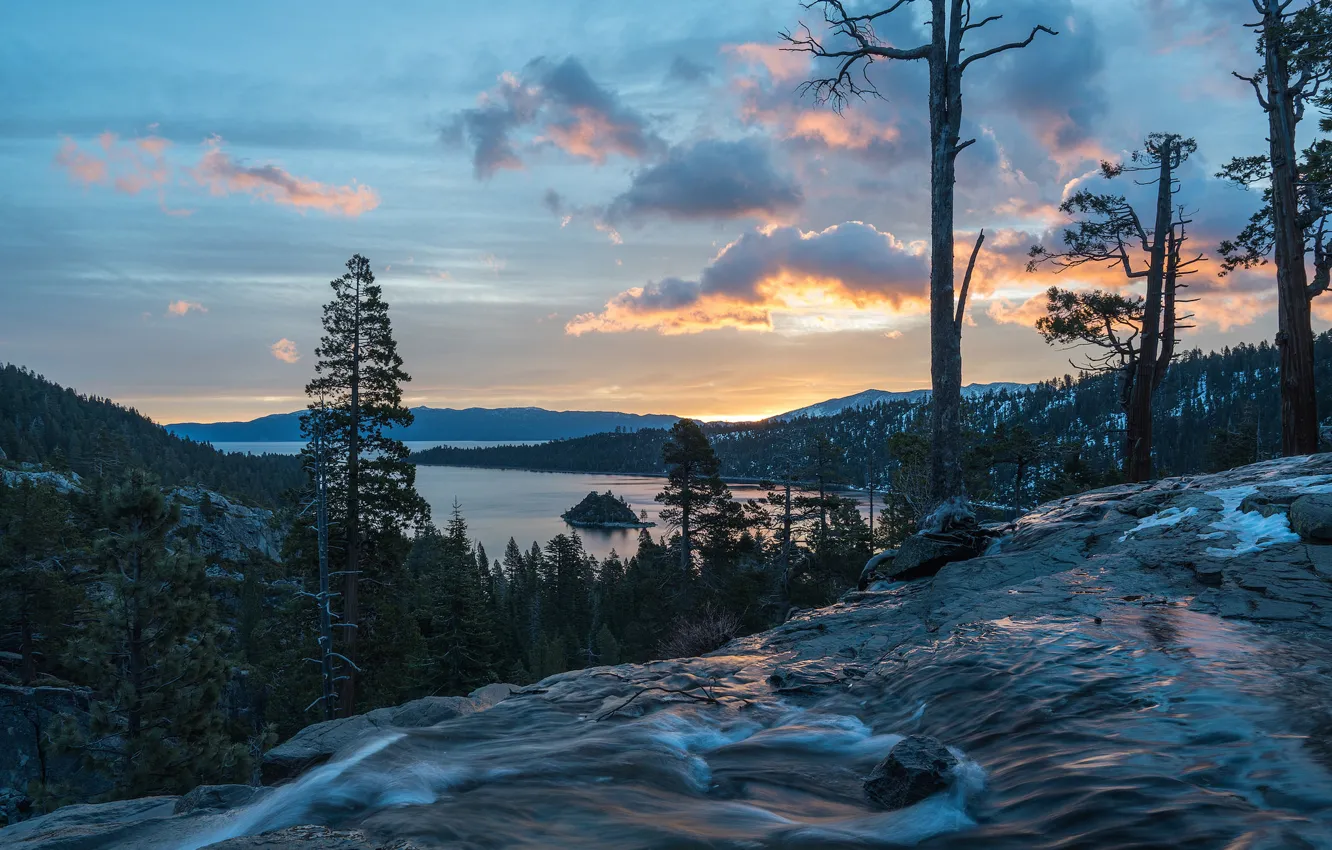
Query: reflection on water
[
  {"x": 503, "y": 503},
  {"x": 1159, "y": 728}
]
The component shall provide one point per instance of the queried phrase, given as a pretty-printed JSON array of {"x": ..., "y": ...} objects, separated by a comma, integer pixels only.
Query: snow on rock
[{"x": 1164, "y": 519}]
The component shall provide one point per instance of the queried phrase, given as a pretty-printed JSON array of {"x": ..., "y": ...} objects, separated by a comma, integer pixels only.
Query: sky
[{"x": 574, "y": 205}]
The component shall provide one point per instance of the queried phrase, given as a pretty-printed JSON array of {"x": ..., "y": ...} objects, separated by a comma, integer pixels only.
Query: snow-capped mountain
[{"x": 834, "y": 406}]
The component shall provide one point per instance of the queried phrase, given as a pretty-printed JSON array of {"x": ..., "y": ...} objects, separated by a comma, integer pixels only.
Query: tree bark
[
  {"x": 1138, "y": 422},
  {"x": 1294, "y": 340},
  {"x": 945, "y": 342}
]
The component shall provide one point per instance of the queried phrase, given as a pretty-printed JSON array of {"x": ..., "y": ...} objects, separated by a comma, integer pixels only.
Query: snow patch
[{"x": 1162, "y": 519}]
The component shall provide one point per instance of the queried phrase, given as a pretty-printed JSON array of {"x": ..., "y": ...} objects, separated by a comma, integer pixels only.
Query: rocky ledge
[{"x": 1248, "y": 546}]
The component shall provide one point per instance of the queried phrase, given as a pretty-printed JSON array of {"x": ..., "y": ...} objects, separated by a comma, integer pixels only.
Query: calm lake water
[{"x": 503, "y": 503}]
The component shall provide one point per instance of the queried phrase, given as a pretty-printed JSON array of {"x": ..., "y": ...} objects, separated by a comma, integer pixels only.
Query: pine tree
[
  {"x": 151, "y": 656},
  {"x": 357, "y": 391},
  {"x": 36, "y": 593},
  {"x": 460, "y": 647},
  {"x": 693, "y": 485}
]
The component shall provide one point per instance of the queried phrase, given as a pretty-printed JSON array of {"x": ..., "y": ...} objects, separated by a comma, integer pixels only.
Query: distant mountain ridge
[
  {"x": 447, "y": 423},
  {"x": 868, "y": 398}
]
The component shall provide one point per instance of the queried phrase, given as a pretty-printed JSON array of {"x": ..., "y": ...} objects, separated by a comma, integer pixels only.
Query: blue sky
[{"x": 572, "y": 205}]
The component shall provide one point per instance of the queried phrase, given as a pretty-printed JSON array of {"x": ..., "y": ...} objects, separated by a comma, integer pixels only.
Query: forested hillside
[
  {"x": 43, "y": 422},
  {"x": 1213, "y": 410}
]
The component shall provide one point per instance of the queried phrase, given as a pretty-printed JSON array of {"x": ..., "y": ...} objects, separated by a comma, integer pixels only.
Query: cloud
[
  {"x": 561, "y": 106},
  {"x": 223, "y": 175},
  {"x": 285, "y": 350},
  {"x": 687, "y": 71},
  {"x": 709, "y": 179},
  {"x": 849, "y": 276},
  {"x": 131, "y": 166},
  {"x": 180, "y": 308},
  {"x": 783, "y": 66}
]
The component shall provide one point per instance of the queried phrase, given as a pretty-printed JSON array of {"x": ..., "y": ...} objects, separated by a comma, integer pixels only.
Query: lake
[{"x": 503, "y": 503}]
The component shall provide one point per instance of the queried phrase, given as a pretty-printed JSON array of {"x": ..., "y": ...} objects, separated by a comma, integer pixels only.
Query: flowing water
[{"x": 1156, "y": 727}]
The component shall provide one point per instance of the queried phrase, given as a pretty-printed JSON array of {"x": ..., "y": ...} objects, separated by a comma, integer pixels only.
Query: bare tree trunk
[
  {"x": 1138, "y": 424},
  {"x": 945, "y": 343},
  {"x": 1299, "y": 406}
]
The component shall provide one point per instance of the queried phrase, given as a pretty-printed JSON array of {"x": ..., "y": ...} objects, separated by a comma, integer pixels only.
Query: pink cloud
[
  {"x": 223, "y": 176},
  {"x": 180, "y": 308},
  {"x": 132, "y": 166},
  {"x": 285, "y": 350}
]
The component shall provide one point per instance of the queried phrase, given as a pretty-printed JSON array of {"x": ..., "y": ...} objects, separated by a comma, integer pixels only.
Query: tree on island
[
  {"x": 1137, "y": 333},
  {"x": 856, "y": 45},
  {"x": 357, "y": 396},
  {"x": 605, "y": 510}
]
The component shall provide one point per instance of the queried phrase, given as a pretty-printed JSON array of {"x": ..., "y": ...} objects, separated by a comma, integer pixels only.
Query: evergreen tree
[
  {"x": 37, "y": 597},
  {"x": 150, "y": 654},
  {"x": 459, "y": 642},
  {"x": 356, "y": 398},
  {"x": 693, "y": 485}
]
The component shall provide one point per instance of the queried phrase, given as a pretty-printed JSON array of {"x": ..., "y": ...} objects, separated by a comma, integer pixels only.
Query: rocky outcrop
[
  {"x": 215, "y": 527},
  {"x": 217, "y": 798},
  {"x": 27, "y": 758},
  {"x": 1311, "y": 518},
  {"x": 923, "y": 555},
  {"x": 914, "y": 768},
  {"x": 316, "y": 744},
  {"x": 63, "y": 482}
]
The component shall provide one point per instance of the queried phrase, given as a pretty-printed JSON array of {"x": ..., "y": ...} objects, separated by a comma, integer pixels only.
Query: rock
[
  {"x": 213, "y": 526},
  {"x": 488, "y": 695},
  {"x": 1262, "y": 504},
  {"x": 870, "y": 574},
  {"x": 1311, "y": 517},
  {"x": 217, "y": 798},
  {"x": 923, "y": 555},
  {"x": 316, "y": 744},
  {"x": 26, "y": 715},
  {"x": 87, "y": 826},
  {"x": 915, "y": 768}
]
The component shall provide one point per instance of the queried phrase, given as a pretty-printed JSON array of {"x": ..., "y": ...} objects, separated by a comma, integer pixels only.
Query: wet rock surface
[
  {"x": 1138, "y": 655},
  {"x": 914, "y": 769},
  {"x": 1311, "y": 518}
]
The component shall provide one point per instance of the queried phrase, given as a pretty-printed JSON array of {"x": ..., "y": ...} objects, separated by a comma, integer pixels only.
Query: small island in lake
[{"x": 605, "y": 510}]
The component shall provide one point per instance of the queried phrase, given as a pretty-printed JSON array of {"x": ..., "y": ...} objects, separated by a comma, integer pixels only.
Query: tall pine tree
[{"x": 357, "y": 391}]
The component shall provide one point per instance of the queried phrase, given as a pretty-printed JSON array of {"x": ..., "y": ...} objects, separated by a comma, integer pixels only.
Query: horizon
[{"x": 547, "y": 223}]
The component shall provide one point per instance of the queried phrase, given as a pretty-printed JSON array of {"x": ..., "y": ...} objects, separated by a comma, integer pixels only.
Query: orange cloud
[
  {"x": 781, "y": 65},
  {"x": 180, "y": 308},
  {"x": 223, "y": 175},
  {"x": 847, "y": 277},
  {"x": 285, "y": 350},
  {"x": 853, "y": 130}
]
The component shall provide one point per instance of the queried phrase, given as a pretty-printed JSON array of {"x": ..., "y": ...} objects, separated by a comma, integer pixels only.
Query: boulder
[
  {"x": 488, "y": 695},
  {"x": 1311, "y": 517},
  {"x": 217, "y": 798},
  {"x": 923, "y": 555},
  {"x": 316, "y": 744},
  {"x": 871, "y": 574},
  {"x": 915, "y": 768}
]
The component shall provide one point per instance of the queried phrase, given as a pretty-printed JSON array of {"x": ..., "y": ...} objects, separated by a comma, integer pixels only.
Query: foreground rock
[
  {"x": 310, "y": 838},
  {"x": 1104, "y": 642},
  {"x": 316, "y": 744},
  {"x": 1311, "y": 518},
  {"x": 915, "y": 768}
]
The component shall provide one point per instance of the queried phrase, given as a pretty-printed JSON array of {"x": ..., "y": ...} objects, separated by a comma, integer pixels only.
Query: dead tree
[
  {"x": 1138, "y": 334},
  {"x": 854, "y": 46},
  {"x": 1294, "y": 45}
]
